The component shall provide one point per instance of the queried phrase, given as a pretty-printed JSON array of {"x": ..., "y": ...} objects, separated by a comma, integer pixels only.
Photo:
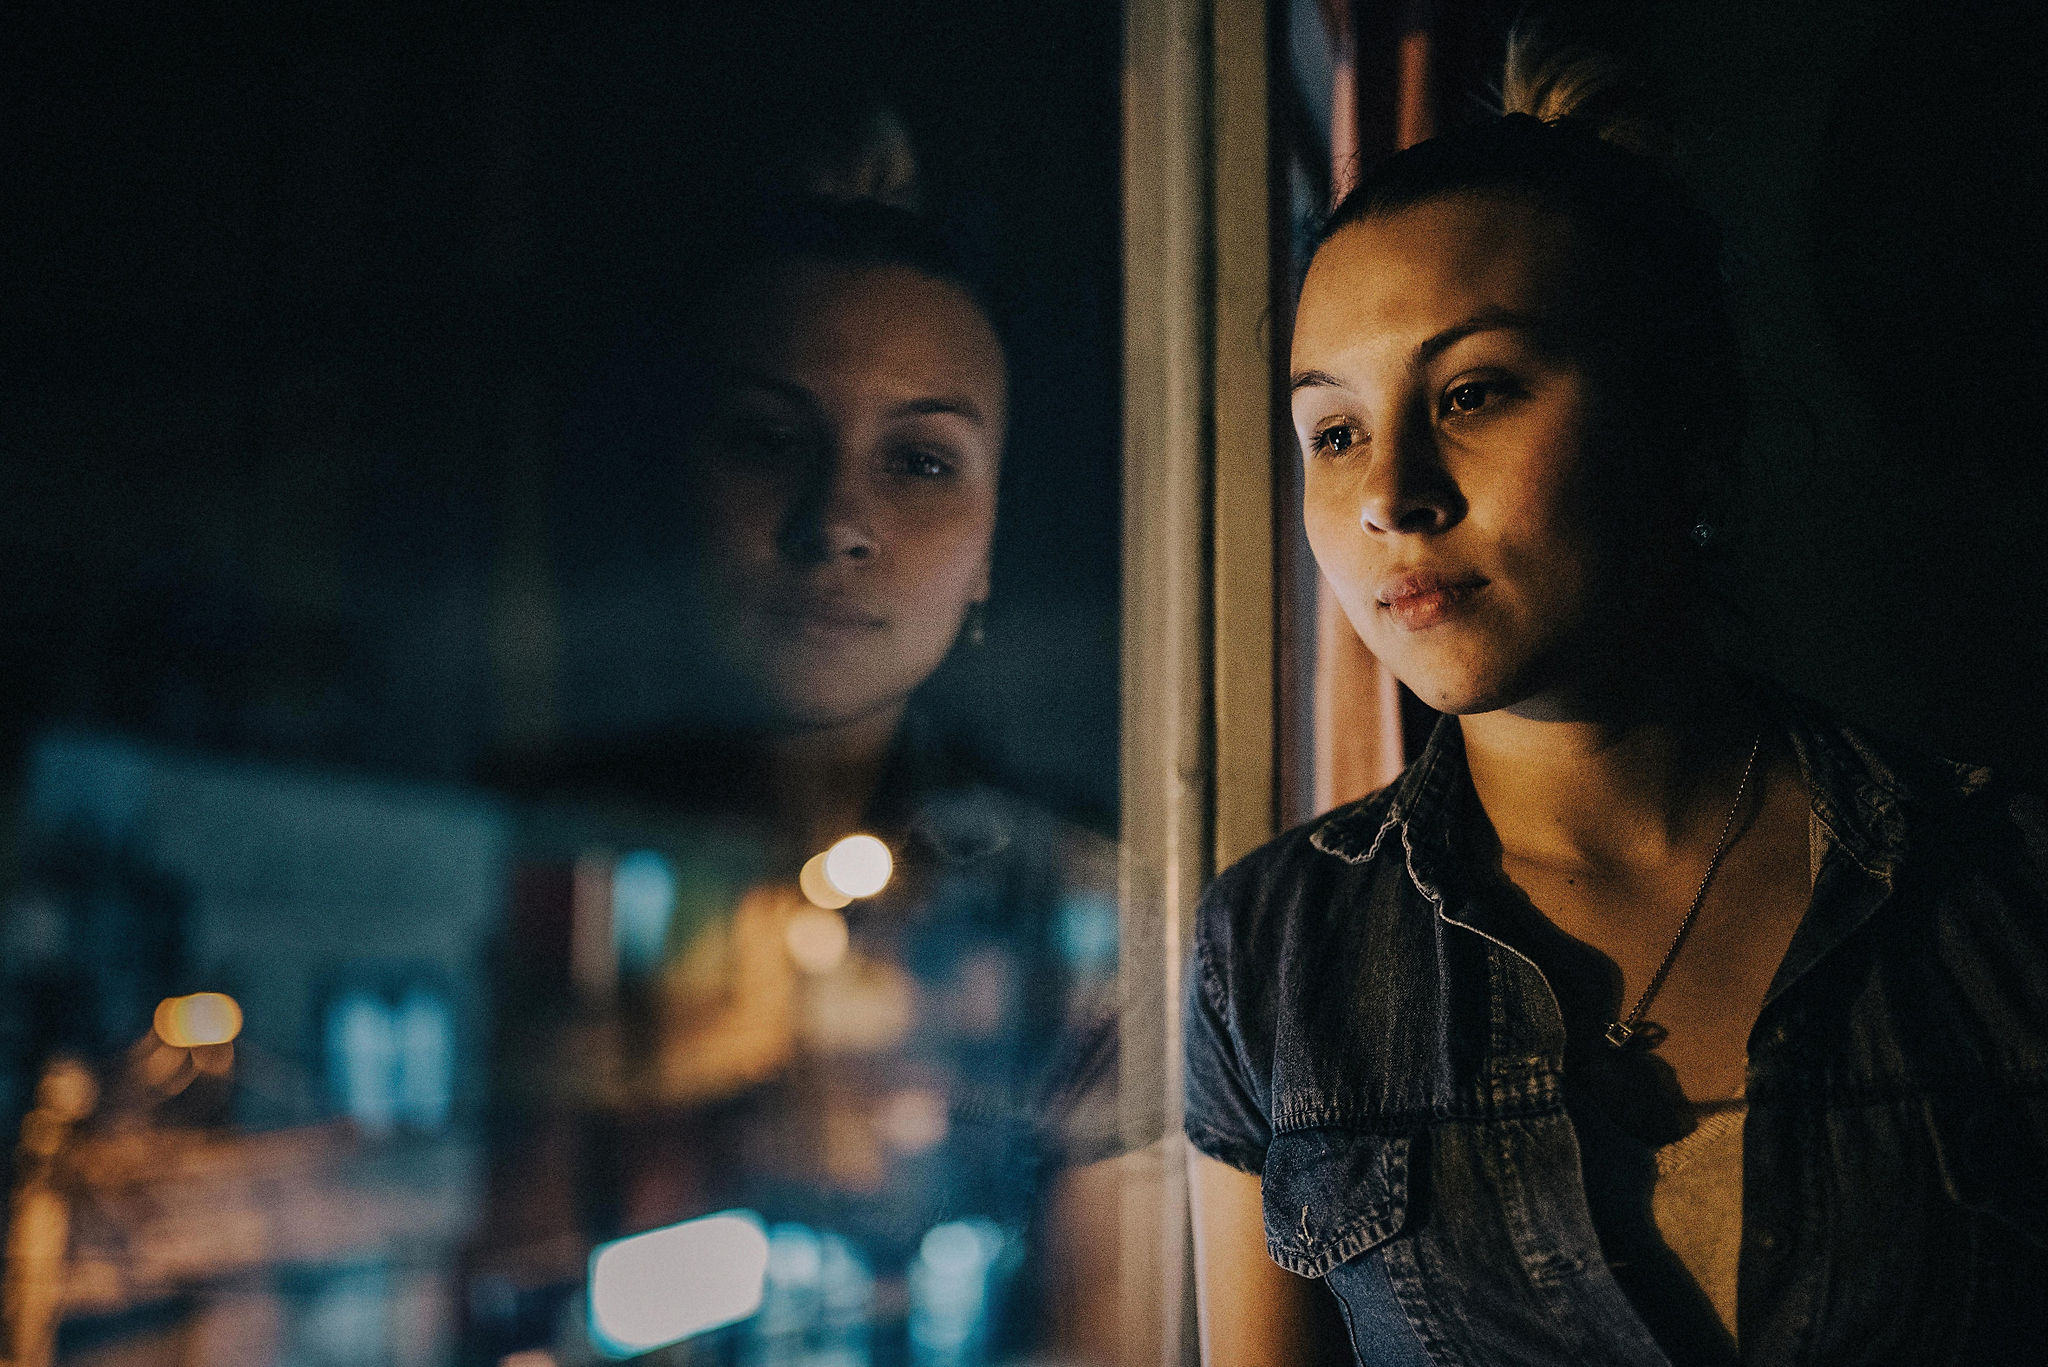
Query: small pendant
[{"x": 1620, "y": 1033}]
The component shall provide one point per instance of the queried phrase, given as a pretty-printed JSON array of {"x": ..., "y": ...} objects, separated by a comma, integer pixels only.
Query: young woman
[
  {"x": 825, "y": 424},
  {"x": 1652, "y": 1015}
]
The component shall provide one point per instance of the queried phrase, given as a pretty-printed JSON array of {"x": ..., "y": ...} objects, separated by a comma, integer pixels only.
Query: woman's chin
[
  {"x": 1462, "y": 687},
  {"x": 806, "y": 702}
]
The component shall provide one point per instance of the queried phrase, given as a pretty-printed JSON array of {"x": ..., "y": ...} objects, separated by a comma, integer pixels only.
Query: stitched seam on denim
[
  {"x": 1518, "y": 1104},
  {"x": 1556, "y": 1006},
  {"x": 1411, "y": 1293},
  {"x": 1819, "y": 745},
  {"x": 1545, "y": 1268},
  {"x": 1350, "y": 1322},
  {"x": 1356, "y": 1236},
  {"x": 1335, "y": 834},
  {"x": 1363, "y": 1230},
  {"x": 1832, "y": 822},
  {"x": 1212, "y": 987},
  {"x": 1497, "y": 1006},
  {"x": 1420, "y": 779},
  {"x": 1211, "y": 982}
]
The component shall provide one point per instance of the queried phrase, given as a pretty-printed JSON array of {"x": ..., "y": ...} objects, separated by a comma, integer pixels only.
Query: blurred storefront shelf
[{"x": 160, "y": 1213}]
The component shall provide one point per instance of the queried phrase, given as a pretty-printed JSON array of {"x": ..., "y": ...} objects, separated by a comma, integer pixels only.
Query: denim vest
[{"x": 1360, "y": 1034}]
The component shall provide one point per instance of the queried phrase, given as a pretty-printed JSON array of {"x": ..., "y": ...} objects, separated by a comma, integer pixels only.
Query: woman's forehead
[
  {"x": 1397, "y": 277},
  {"x": 887, "y": 326}
]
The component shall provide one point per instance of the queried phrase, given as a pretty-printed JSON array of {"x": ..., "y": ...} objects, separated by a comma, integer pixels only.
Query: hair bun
[
  {"x": 871, "y": 158},
  {"x": 1558, "y": 79}
]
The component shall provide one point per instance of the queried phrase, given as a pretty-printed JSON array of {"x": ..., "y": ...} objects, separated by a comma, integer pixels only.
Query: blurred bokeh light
[
  {"x": 858, "y": 866},
  {"x": 657, "y": 1288},
  {"x": 198, "y": 1020}
]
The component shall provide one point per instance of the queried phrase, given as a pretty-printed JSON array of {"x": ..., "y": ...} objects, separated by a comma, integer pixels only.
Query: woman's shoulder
[
  {"x": 1261, "y": 898},
  {"x": 1902, "y": 808},
  {"x": 1290, "y": 875},
  {"x": 1884, "y": 780}
]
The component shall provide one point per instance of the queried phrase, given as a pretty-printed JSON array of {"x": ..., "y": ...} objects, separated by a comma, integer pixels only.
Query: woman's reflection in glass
[{"x": 897, "y": 1086}]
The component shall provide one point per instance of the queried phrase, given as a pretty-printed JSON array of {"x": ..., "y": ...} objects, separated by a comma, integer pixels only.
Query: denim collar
[
  {"x": 1863, "y": 798},
  {"x": 1867, "y": 799},
  {"x": 1422, "y": 804},
  {"x": 1419, "y": 801}
]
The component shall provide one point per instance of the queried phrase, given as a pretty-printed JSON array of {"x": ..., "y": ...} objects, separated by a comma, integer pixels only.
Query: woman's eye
[
  {"x": 1333, "y": 440},
  {"x": 1470, "y": 397},
  {"x": 925, "y": 463}
]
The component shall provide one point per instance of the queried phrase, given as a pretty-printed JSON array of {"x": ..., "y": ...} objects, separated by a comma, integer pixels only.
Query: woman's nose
[
  {"x": 1404, "y": 487},
  {"x": 831, "y": 519}
]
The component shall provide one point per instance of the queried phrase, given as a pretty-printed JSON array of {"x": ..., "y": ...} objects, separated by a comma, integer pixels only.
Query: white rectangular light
[{"x": 663, "y": 1286}]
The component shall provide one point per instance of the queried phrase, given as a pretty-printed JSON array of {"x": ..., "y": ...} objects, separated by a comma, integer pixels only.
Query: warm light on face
[
  {"x": 658, "y": 1288},
  {"x": 198, "y": 1020},
  {"x": 1447, "y": 419},
  {"x": 859, "y": 866}
]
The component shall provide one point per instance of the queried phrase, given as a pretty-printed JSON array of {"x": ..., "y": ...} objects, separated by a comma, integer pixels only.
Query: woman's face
[
  {"x": 1459, "y": 495},
  {"x": 846, "y": 478}
]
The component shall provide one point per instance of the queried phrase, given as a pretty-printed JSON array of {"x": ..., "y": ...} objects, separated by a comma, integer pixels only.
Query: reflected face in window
[
  {"x": 846, "y": 478},
  {"x": 1456, "y": 495}
]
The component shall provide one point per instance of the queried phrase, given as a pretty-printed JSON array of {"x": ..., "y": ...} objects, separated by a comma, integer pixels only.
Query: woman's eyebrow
[
  {"x": 1313, "y": 379},
  {"x": 780, "y": 388},
  {"x": 1436, "y": 344},
  {"x": 1486, "y": 320},
  {"x": 959, "y": 405}
]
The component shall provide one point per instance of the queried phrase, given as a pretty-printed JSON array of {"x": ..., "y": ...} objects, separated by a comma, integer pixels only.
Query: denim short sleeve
[{"x": 1223, "y": 1118}]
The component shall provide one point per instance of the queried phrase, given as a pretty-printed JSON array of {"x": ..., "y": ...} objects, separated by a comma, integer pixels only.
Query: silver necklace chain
[{"x": 1620, "y": 1032}]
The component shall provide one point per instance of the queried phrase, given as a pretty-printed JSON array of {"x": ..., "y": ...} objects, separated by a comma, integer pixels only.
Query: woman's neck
[
  {"x": 822, "y": 780},
  {"x": 1616, "y": 777}
]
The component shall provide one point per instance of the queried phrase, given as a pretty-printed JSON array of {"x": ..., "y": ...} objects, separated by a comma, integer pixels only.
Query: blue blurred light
[
  {"x": 362, "y": 1060},
  {"x": 661, "y": 1287},
  {"x": 818, "y": 1305},
  {"x": 426, "y": 1059},
  {"x": 955, "y": 1249},
  {"x": 643, "y": 901},
  {"x": 1088, "y": 932},
  {"x": 392, "y": 1064},
  {"x": 950, "y": 1286},
  {"x": 796, "y": 1256}
]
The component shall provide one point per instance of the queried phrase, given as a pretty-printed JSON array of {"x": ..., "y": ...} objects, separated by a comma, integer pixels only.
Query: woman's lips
[
  {"x": 1423, "y": 598},
  {"x": 824, "y": 617}
]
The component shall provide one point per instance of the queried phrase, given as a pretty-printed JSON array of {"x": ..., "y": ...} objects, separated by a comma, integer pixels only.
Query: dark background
[
  {"x": 1879, "y": 169},
  {"x": 301, "y": 298},
  {"x": 1884, "y": 172}
]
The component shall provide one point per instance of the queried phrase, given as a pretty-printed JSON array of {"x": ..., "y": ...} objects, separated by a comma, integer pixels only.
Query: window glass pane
[{"x": 562, "y": 573}]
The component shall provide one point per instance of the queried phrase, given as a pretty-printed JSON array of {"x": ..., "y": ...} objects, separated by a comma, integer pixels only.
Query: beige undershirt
[
  {"x": 1697, "y": 1205},
  {"x": 1670, "y": 1225}
]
